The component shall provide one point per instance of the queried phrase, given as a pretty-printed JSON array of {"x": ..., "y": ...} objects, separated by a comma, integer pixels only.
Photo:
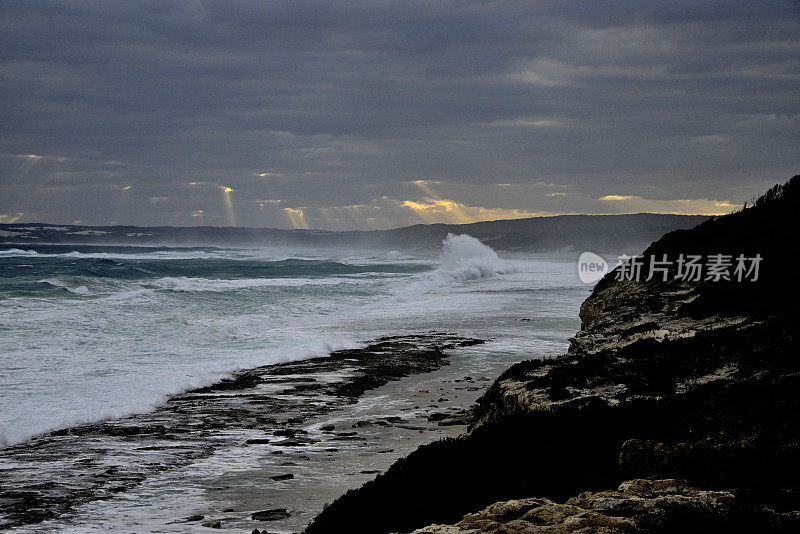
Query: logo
[
  {"x": 591, "y": 267},
  {"x": 686, "y": 268}
]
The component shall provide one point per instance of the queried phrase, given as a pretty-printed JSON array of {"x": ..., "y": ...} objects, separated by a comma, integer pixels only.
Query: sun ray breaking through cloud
[
  {"x": 296, "y": 218},
  {"x": 550, "y": 108},
  {"x": 227, "y": 202}
]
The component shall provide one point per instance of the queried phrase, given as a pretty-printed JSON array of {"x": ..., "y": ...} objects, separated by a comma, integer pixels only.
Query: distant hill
[
  {"x": 598, "y": 233},
  {"x": 674, "y": 410}
]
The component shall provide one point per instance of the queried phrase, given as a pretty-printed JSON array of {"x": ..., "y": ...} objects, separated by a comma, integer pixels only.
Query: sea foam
[
  {"x": 465, "y": 258},
  {"x": 55, "y": 282},
  {"x": 148, "y": 328},
  {"x": 18, "y": 252}
]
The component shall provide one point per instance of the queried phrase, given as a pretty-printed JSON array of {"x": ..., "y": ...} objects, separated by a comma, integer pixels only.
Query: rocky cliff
[{"x": 676, "y": 408}]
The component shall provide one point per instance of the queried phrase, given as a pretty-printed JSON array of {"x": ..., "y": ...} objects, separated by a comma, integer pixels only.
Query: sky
[{"x": 360, "y": 115}]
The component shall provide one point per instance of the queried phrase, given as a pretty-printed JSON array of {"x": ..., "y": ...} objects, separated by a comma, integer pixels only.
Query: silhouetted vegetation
[
  {"x": 740, "y": 433},
  {"x": 769, "y": 228}
]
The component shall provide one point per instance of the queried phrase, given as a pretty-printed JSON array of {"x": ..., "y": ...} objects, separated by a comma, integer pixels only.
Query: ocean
[{"x": 93, "y": 332}]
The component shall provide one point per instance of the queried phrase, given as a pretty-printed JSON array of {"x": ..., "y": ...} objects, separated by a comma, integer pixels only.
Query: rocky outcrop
[
  {"x": 50, "y": 475},
  {"x": 638, "y": 505},
  {"x": 697, "y": 381}
]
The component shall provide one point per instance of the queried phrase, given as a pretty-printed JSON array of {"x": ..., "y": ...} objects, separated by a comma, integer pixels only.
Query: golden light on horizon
[
  {"x": 6, "y": 218},
  {"x": 434, "y": 210},
  {"x": 435, "y": 203},
  {"x": 296, "y": 218},
  {"x": 450, "y": 211},
  {"x": 618, "y": 197},
  {"x": 685, "y": 206},
  {"x": 227, "y": 203}
]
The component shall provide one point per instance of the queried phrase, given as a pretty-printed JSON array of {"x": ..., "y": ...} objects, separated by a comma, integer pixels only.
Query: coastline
[
  {"x": 675, "y": 409},
  {"x": 191, "y": 456},
  {"x": 277, "y": 410},
  {"x": 228, "y": 440}
]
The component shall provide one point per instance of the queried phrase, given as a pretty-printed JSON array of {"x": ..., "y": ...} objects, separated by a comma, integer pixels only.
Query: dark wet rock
[
  {"x": 271, "y": 515},
  {"x": 226, "y": 510},
  {"x": 193, "y": 518},
  {"x": 688, "y": 390},
  {"x": 72, "y": 466},
  {"x": 457, "y": 418},
  {"x": 327, "y": 428},
  {"x": 287, "y": 476},
  {"x": 289, "y": 432},
  {"x": 295, "y": 442},
  {"x": 212, "y": 524}
]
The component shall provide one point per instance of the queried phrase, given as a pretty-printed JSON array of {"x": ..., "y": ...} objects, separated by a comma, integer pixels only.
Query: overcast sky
[{"x": 378, "y": 114}]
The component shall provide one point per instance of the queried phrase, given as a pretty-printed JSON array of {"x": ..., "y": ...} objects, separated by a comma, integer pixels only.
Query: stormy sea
[{"x": 167, "y": 389}]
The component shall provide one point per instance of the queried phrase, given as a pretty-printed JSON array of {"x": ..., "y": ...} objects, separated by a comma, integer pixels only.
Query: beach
[{"x": 363, "y": 359}]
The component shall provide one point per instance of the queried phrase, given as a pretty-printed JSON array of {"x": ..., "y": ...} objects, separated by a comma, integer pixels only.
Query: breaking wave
[
  {"x": 465, "y": 258},
  {"x": 191, "y": 284},
  {"x": 55, "y": 282},
  {"x": 18, "y": 252}
]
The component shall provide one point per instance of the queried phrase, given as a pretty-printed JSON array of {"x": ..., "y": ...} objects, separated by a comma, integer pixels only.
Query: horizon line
[{"x": 117, "y": 225}]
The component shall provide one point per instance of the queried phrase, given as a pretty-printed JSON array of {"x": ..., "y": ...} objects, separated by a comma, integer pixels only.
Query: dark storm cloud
[{"x": 309, "y": 105}]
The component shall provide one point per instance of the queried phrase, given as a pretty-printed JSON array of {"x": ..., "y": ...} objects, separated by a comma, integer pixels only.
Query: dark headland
[
  {"x": 676, "y": 409},
  {"x": 599, "y": 233}
]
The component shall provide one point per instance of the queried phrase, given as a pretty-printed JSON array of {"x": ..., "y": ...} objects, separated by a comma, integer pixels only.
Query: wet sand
[{"x": 264, "y": 449}]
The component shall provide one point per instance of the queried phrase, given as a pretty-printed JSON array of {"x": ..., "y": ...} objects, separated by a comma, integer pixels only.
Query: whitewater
[{"x": 96, "y": 332}]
